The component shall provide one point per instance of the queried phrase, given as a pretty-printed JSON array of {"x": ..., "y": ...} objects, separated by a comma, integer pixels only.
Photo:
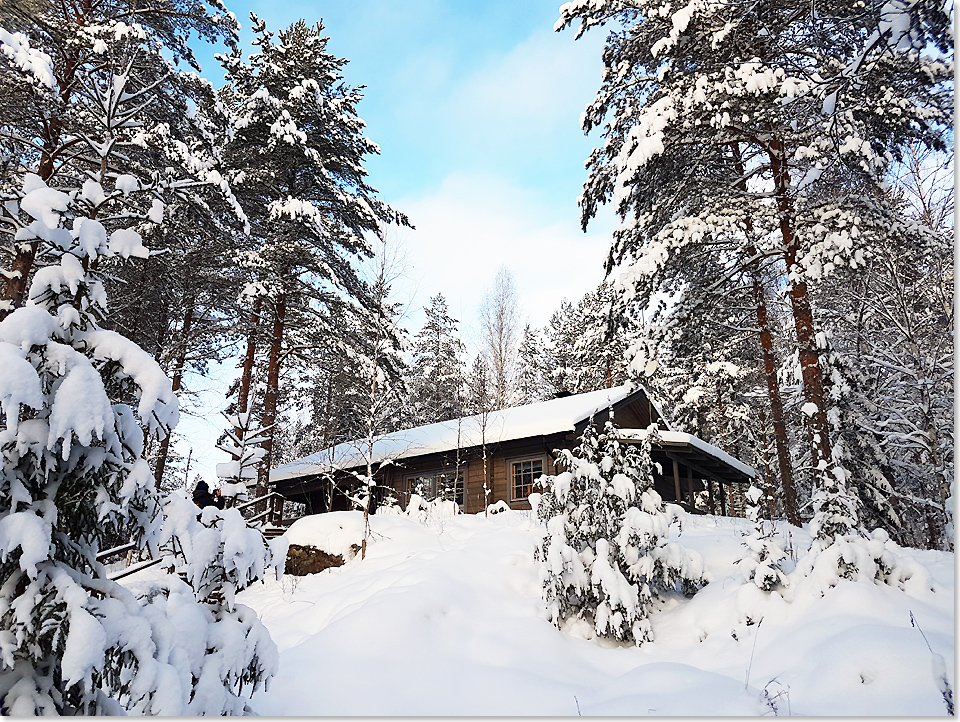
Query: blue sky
[{"x": 476, "y": 109}]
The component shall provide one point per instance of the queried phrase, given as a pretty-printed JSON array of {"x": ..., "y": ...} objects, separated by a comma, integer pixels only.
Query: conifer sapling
[{"x": 606, "y": 558}]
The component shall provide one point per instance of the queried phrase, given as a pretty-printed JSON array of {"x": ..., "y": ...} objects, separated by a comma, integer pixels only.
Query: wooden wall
[{"x": 499, "y": 457}]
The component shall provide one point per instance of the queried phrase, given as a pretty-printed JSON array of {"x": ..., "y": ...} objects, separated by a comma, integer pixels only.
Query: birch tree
[{"x": 499, "y": 319}]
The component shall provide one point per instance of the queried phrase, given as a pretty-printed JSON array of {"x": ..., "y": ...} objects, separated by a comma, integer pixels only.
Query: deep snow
[{"x": 444, "y": 617}]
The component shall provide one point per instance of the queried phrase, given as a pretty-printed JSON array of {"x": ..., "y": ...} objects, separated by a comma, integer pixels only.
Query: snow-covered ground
[{"x": 445, "y": 618}]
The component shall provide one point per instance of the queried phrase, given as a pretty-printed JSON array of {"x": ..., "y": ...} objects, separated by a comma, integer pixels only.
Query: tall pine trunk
[
  {"x": 176, "y": 383},
  {"x": 270, "y": 399},
  {"x": 790, "y": 508},
  {"x": 813, "y": 389},
  {"x": 791, "y": 511},
  {"x": 243, "y": 395}
]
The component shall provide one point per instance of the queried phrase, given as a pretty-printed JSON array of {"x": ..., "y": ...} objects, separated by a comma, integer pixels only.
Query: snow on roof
[
  {"x": 518, "y": 422},
  {"x": 678, "y": 437}
]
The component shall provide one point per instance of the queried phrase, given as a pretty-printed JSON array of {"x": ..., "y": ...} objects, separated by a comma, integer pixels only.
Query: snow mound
[{"x": 446, "y": 618}]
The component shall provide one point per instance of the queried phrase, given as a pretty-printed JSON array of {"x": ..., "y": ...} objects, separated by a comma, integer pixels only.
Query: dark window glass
[{"x": 524, "y": 474}]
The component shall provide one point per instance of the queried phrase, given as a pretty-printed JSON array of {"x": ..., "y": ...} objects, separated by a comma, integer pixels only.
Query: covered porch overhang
[{"x": 689, "y": 465}]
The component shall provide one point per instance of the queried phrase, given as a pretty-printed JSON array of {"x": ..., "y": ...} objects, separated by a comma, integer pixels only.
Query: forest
[{"x": 781, "y": 282}]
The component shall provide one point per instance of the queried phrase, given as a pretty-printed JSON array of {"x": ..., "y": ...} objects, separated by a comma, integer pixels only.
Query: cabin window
[
  {"x": 523, "y": 473},
  {"x": 443, "y": 483}
]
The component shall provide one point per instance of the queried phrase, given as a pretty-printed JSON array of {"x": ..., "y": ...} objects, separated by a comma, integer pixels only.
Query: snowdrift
[{"x": 444, "y": 617}]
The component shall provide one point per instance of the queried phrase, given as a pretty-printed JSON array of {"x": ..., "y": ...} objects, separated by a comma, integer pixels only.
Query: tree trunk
[
  {"x": 790, "y": 509},
  {"x": 813, "y": 391},
  {"x": 243, "y": 399},
  {"x": 270, "y": 399},
  {"x": 26, "y": 252},
  {"x": 175, "y": 386},
  {"x": 776, "y": 403}
]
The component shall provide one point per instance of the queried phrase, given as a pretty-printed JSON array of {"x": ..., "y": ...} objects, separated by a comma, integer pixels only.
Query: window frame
[{"x": 511, "y": 482}]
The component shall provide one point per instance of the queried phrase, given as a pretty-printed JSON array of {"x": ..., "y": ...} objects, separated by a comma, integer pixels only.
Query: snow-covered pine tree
[
  {"x": 95, "y": 95},
  {"x": 296, "y": 154},
  {"x": 532, "y": 385},
  {"x": 890, "y": 332},
  {"x": 111, "y": 106},
  {"x": 559, "y": 341},
  {"x": 600, "y": 348},
  {"x": 437, "y": 370},
  {"x": 581, "y": 350},
  {"x": 758, "y": 134},
  {"x": 606, "y": 557}
]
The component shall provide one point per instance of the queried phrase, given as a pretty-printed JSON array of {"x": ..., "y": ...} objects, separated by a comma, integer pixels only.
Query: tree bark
[
  {"x": 270, "y": 398},
  {"x": 790, "y": 508},
  {"x": 776, "y": 403},
  {"x": 813, "y": 391},
  {"x": 175, "y": 386},
  {"x": 243, "y": 399}
]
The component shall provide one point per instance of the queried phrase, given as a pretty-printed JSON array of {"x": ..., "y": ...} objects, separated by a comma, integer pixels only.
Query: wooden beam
[
  {"x": 706, "y": 474},
  {"x": 723, "y": 498},
  {"x": 713, "y": 506},
  {"x": 676, "y": 478},
  {"x": 693, "y": 504}
]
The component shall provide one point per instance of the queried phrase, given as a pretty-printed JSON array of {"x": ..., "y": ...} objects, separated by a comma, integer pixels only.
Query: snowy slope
[{"x": 444, "y": 618}]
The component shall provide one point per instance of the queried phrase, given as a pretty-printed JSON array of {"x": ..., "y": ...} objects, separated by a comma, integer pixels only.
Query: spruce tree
[
  {"x": 532, "y": 384},
  {"x": 78, "y": 402},
  {"x": 437, "y": 369},
  {"x": 763, "y": 563},
  {"x": 606, "y": 557}
]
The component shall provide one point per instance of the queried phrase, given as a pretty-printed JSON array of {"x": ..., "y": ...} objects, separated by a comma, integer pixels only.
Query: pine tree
[
  {"x": 297, "y": 154},
  {"x": 102, "y": 101},
  {"x": 532, "y": 384},
  {"x": 559, "y": 342},
  {"x": 601, "y": 347},
  {"x": 437, "y": 370},
  {"x": 606, "y": 558},
  {"x": 754, "y": 140}
]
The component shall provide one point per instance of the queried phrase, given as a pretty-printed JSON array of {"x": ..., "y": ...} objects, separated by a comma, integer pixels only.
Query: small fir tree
[
  {"x": 606, "y": 558},
  {"x": 242, "y": 441},
  {"x": 763, "y": 563}
]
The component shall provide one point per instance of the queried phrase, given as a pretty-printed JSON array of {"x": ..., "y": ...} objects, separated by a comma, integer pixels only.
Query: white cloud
[
  {"x": 473, "y": 224},
  {"x": 521, "y": 110}
]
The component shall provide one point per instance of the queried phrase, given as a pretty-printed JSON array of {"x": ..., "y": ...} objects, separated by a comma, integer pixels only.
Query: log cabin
[{"x": 507, "y": 451}]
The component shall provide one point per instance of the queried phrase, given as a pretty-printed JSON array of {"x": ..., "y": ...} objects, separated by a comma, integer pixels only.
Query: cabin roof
[
  {"x": 518, "y": 422},
  {"x": 691, "y": 449}
]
